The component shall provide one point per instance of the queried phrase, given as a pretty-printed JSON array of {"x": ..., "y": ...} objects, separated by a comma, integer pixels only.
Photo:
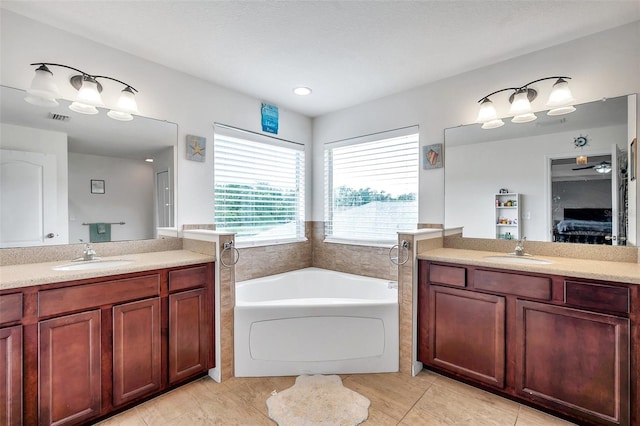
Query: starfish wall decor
[{"x": 196, "y": 148}]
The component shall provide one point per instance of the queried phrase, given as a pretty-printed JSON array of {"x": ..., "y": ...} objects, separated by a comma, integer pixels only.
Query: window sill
[
  {"x": 250, "y": 244},
  {"x": 382, "y": 244}
]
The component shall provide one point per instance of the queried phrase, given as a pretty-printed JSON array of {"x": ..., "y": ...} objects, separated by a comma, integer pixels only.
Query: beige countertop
[
  {"x": 578, "y": 268},
  {"x": 17, "y": 276}
]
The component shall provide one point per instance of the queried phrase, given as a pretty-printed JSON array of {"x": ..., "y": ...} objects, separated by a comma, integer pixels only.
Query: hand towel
[{"x": 99, "y": 232}]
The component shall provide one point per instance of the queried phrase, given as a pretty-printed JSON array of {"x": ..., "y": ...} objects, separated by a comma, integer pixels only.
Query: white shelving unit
[{"x": 508, "y": 220}]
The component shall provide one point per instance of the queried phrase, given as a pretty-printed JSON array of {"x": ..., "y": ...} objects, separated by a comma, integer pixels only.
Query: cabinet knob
[{"x": 50, "y": 235}]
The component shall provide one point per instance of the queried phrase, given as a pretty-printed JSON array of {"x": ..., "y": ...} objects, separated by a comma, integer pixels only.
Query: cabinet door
[
  {"x": 188, "y": 334},
  {"x": 574, "y": 361},
  {"x": 11, "y": 376},
  {"x": 69, "y": 368},
  {"x": 467, "y": 334},
  {"x": 137, "y": 361}
]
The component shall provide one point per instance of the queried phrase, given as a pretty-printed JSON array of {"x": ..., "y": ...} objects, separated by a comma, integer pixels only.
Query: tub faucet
[
  {"x": 519, "y": 250},
  {"x": 88, "y": 253}
]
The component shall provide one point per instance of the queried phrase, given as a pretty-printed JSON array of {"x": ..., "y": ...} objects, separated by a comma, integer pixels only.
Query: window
[
  {"x": 372, "y": 186},
  {"x": 259, "y": 186}
]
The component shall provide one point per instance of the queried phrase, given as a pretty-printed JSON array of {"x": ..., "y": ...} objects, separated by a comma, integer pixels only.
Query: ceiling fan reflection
[{"x": 602, "y": 167}]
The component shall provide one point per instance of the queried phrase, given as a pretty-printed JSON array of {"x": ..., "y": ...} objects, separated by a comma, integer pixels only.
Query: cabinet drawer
[
  {"x": 10, "y": 308},
  {"x": 596, "y": 296},
  {"x": 183, "y": 279},
  {"x": 82, "y": 297},
  {"x": 448, "y": 275},
  {"x": 515, "y": 284}
]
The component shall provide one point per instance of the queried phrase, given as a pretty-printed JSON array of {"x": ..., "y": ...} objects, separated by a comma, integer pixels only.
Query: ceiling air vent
[{"x": 59, "y": 117}]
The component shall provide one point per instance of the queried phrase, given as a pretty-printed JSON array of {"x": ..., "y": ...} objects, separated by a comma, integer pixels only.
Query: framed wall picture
[
  {"x": 97, "y": 186},
  {"x": 196, "y": 148},
  {"x": 633, "y": 159},
  {"x": 432, "y": 156}
]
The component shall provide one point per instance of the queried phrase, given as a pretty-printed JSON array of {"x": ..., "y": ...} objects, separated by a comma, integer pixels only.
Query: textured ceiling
[{"x": 348, "y": 52}]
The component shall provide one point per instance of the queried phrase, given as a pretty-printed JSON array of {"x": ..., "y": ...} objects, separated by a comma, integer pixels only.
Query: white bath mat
[{"x": 318, "y": 401}]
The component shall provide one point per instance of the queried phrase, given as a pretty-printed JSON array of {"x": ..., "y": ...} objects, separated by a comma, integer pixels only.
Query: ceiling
[{"x": 348, "y": 52}]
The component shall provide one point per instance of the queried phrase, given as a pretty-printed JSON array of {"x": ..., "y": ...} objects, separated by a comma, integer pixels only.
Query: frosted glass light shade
[
  {"x": 487, "y": 112},
  {"x": 43, "y": 85},
  {"x": 520, "y": 104},
  {"x": 44, "y": 102},
  {"x": 119, "y": 115},
  {"x": 88, "y": 93},
  {"x": 83, "y": 108},
  {"x": 560, "y": 95},
  {"x": 561, "y": 110},
  {"x": 581, "y": 160},
  {"x": 493, "y": 124},
  {"x": 524, "y": 118},
  {"x": 127, "y": 102}
]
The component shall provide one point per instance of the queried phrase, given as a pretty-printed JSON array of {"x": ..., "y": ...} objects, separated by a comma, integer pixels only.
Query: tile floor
[{"x": 396, "y": 399}]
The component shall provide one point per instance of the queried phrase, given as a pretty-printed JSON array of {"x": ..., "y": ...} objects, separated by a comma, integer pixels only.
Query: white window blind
[
  {"x": 259, "y": 186},
  {"x": 372, "y": 187}
]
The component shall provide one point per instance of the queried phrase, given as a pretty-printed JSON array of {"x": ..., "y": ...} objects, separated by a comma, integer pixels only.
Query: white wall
[
  {"x": 606, "y": 64},
  {"x": 18, "y": 138},
  {"x": 164, "y": 94},
  {"x": 128, "y": 197}
]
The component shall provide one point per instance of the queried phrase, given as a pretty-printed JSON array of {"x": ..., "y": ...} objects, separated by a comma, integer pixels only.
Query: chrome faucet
[
  {"x": 519, "y": 250},
  {"x": 88, "y": 253}
]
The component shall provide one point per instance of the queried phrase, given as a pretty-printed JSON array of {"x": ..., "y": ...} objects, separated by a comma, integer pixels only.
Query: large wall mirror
[
  {"x": 67, "y": 177},
  {"x": 562, "y": 178}
]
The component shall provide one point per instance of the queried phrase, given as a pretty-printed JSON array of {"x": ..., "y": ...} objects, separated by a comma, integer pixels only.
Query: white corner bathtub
[{"x": 315, "y": 321}]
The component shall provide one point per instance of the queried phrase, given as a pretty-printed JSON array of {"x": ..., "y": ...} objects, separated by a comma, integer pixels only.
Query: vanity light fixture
[
  {"x": 560, "y": 102},
  {"x": 44, "y": 92}
]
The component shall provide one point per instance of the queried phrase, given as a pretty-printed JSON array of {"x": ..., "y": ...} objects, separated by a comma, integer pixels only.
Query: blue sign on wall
[{"x": 269, "y": 118}]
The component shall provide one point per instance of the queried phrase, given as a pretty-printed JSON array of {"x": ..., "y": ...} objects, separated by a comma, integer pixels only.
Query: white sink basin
[
  {"x": 94, "y": 264},
  {"x": 519, "y": 259}
]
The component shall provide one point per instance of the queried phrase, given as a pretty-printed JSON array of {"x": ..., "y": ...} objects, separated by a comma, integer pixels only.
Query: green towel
[{"x": 99, "y": 232}]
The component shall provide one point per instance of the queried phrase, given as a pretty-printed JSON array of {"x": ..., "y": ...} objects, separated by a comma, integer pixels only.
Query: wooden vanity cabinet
[
  {"x": 574, "y": 361},
  {"x": 137, "y": 351},
  {"x": 188, "y": 323},
  {"x": 561, "y": 344},
  {"x": 69, "y": 354},
  {"x": 95, "y": 346},
  {"x": 467, "y": 334},
  {"x": 11, "y": 360}
]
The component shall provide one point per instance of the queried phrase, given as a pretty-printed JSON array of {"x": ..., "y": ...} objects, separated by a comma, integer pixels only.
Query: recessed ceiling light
[
  {"x": 149, "y": 160},
  {"x": 302, "y": 91}
]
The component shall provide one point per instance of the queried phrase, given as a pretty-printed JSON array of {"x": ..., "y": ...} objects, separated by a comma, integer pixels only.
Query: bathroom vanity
[
  {"x": 77, "y": 350},
  {"x": 543, "y": 334}
]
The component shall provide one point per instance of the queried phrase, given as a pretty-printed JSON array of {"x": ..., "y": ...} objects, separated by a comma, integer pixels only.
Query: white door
[
  {"x": 618, "y": 198},
  {"x": 164, "y": 197},
  {"x": 28, "y": 194}
]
